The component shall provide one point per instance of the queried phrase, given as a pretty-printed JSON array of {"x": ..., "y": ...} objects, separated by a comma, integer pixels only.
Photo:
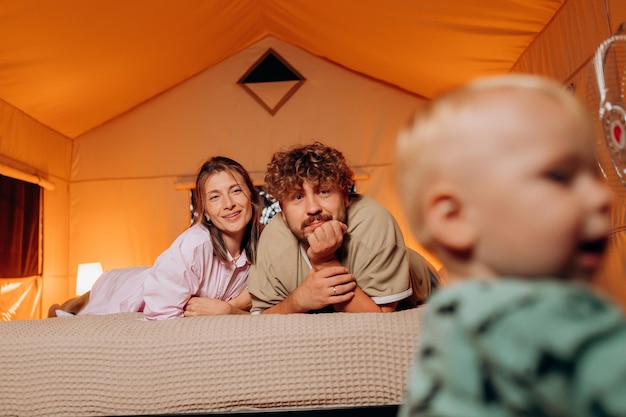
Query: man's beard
[{"x": 310, "y": 220}]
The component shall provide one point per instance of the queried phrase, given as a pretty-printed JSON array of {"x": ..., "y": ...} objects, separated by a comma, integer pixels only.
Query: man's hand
[
  {"x": 321, "y": 288},
  {"x": 324, "y": 242}
]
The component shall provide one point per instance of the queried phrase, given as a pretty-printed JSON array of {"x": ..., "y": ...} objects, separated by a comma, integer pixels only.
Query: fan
[{"x": 610, "y": 72}]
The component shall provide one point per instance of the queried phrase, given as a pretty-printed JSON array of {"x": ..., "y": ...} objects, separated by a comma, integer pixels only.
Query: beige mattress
[{"x": 120, "y": 364}]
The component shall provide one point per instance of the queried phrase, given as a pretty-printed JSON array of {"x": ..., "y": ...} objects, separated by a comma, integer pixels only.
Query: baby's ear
[{"x": 447, "y": 219}]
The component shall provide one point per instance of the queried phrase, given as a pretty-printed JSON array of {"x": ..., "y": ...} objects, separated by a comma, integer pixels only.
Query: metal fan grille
[{"x": 610, "y": 74}]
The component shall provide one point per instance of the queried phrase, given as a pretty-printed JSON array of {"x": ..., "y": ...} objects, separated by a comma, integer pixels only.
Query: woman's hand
[
  {"x": 242, "y": 302},
  {"x": 205, "y": 306}
]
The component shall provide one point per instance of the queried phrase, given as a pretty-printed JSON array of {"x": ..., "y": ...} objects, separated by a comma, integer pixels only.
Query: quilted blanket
[{"x": 120, "y": 364}]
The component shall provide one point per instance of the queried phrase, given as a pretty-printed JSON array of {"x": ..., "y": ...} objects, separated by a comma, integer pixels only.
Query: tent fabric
[
  {"x": 74, "y": 65},
  {"x": 117, "y": 103},
  {"x": 20, "y": 221},
  {"x": 565, "y": 45},
  {"x": 20, "y": 298},
  {"x": 134, "y": 163}
]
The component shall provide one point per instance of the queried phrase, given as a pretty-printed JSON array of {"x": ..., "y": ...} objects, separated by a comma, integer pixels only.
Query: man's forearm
[
  {"x": 326, "y": 264},
  {"x": 287, "y": 306},
  {"x": 363, "y": 303}
]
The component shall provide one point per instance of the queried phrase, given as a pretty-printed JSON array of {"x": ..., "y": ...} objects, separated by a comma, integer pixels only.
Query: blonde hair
[
  {"x": 427, "y": 145},
  {"x": 253, "y": 229}
]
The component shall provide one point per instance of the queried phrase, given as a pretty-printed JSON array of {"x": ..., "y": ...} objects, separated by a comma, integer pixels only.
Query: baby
[{"x": 499, "y": 180}]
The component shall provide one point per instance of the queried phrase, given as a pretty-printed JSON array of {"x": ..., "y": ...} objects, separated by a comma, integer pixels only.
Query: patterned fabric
[
  {"x": 119, "y": 365},
  {"x": 519, "y": 348}
]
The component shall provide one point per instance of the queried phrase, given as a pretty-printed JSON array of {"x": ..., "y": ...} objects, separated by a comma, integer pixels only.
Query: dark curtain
[{"x": 19, "y": 228}]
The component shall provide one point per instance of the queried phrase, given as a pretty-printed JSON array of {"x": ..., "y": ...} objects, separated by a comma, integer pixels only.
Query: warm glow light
[{"x": 86, "y": 276}]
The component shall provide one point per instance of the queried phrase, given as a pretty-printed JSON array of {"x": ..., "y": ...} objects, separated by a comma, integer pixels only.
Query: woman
[{"x": 205, "y": 270}]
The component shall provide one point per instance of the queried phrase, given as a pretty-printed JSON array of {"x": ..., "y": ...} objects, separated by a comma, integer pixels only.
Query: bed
[{"x": 119, "y": 364}]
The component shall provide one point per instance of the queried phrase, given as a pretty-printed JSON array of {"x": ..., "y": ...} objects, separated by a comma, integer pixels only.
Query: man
[{"x": 330, "y": 250}]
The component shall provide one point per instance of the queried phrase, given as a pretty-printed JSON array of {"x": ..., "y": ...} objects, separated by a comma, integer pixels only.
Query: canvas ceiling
[{"x": 74, "y": 65}]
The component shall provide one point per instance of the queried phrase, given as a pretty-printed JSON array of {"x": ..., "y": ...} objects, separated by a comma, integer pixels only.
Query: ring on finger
[{"x": 335, "y": 290}]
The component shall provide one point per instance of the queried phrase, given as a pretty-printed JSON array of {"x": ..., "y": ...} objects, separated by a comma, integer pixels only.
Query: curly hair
[{"x": 316, "y": 163}]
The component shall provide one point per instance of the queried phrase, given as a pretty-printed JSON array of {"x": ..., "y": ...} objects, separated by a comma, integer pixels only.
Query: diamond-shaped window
[{"x": 271, "y": 81}]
